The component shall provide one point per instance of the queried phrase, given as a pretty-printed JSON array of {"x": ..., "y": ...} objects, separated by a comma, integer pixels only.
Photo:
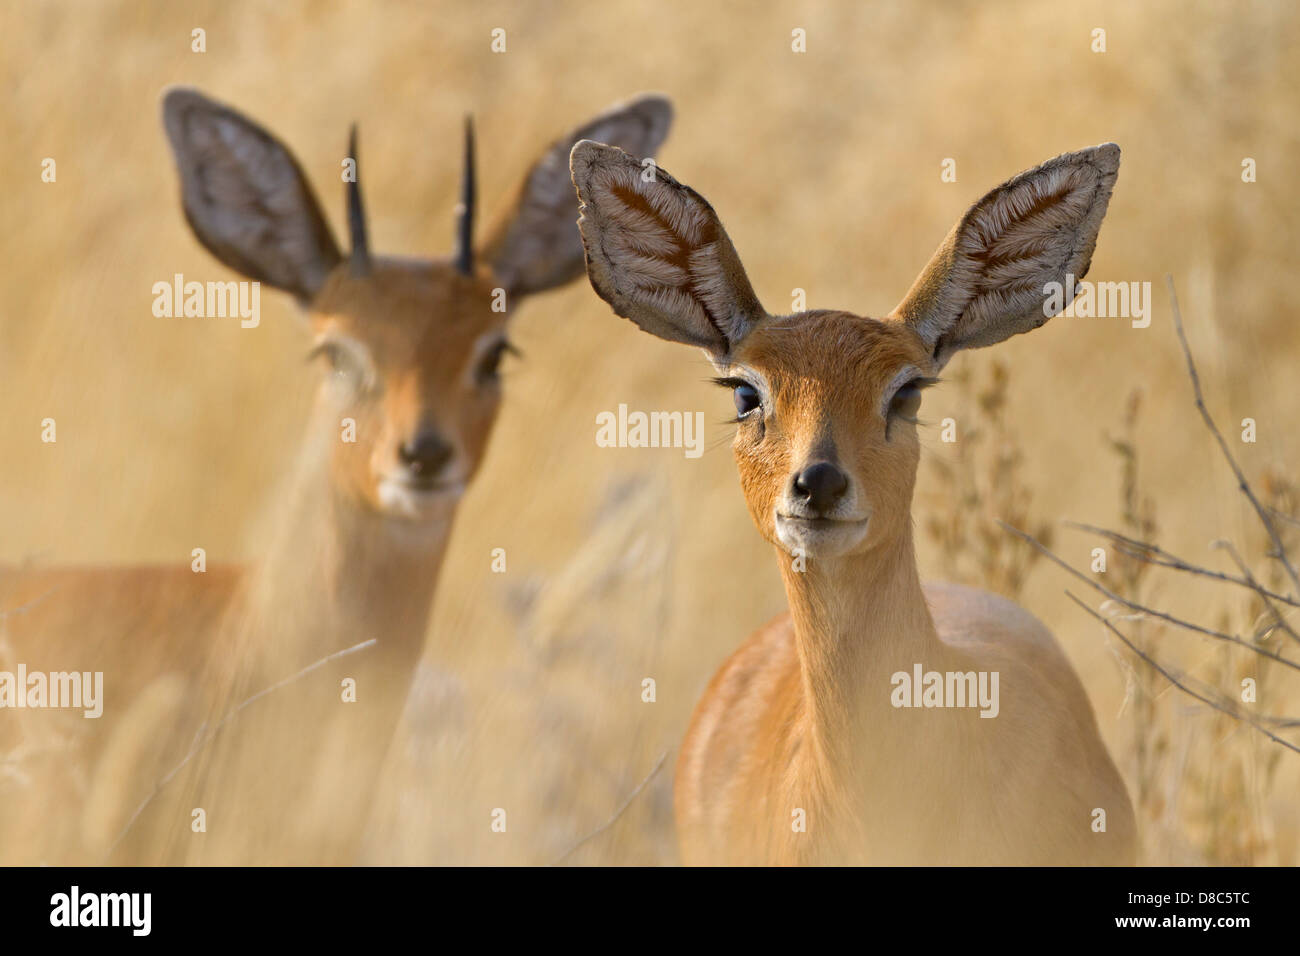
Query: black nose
[
  {"x": 426, "y": 455},
  {"x": 821, "y": 485}
]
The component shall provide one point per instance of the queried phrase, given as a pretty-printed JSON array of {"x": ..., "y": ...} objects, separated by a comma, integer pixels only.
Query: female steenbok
[
  {"x": 412, "y": 348},
  {"x": 812, "y": 744}
]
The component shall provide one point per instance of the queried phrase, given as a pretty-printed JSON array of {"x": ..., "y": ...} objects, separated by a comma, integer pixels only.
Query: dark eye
[
  {"x": 488, "y": 370},
  {"x": 746, "y": 399},
  {"x": 906, "y": 402}
]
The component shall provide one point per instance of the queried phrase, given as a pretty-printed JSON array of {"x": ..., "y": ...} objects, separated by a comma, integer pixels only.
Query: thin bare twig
[
  {"x": 1153, "y": 612},
  {"x": 1279, "y": 551},
  {"x": 1258, "y": 588},
  {"x": 201, "y": 740},
  {"x": 1243, "y": 716},
  {"x": 24, "y": 608},
  {"x": 617, "y": 813},
  {"x": 1156, "y": 555}
]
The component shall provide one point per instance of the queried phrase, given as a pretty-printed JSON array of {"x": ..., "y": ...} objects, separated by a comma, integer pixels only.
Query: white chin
[
  {"x": 820, "y": 538},
  {"x": 400, "y": 500}
]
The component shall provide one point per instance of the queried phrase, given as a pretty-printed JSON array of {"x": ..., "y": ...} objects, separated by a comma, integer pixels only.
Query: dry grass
[{"x": 825, "y": 168}]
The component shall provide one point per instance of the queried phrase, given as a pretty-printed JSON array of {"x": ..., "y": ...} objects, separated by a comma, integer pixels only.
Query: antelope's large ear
[
  {"x": 990, "y": 278},
  {"x": 657, "y": 253},
  {"x": 245, "y": 196},
  {"x": 536, "y": 245}
]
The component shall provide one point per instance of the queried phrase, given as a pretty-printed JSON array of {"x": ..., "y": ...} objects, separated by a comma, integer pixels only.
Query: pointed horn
[
  {"x": 464, "y": 259},
  {"x": 360, "y": 258}
]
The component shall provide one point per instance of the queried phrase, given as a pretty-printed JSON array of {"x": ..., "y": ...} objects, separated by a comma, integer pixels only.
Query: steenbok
[
  {"x": 411, "y": 350},
  {"x": 843, "y": 731}
]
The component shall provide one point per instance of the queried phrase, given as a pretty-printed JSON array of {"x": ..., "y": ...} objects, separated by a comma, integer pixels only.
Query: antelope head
[
  {"x": 412, "y": 348},
  {"x": 827, "y": 400}
]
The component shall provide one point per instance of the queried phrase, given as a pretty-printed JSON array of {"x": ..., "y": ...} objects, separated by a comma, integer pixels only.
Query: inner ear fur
[
  {"x": 988, "y": 280},
  {"x": 658, "y": 254}
]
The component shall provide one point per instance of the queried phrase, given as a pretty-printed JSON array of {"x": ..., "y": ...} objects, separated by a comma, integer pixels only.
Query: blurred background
[{"x": 626, "y": 564}]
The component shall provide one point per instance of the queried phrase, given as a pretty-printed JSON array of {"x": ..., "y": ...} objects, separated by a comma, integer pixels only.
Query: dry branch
[
  {"x": 1150, "y": 611},
  {"x": 1279, "y": 551},
  {"x": 1220, "y": 705},
  {"x": 1152, "y": 554}
]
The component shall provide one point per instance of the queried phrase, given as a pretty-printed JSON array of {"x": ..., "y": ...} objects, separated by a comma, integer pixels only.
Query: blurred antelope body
[
  {"x": 414, "y": 349},
  {"x": 796, "y": 753}
]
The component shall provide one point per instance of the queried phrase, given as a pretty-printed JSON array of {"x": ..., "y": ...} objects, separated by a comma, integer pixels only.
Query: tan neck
[
  {"x": 382, "y": 577},
  {"x": 335, "y": 574},
  {"x": 857, "y": 620}
]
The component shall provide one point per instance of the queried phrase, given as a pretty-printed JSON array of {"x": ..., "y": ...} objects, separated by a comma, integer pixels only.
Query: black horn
[
  {"x": 464, "y": 259},
  {"x": 360, "y": 258}
]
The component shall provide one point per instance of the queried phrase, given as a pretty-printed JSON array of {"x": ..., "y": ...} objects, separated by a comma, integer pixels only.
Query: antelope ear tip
[
  {"x": 176, "y": 97},
  {"x": 585, "y": 154},
  {"x": 1108, "y": 155},
  {"x": 656, "y": 103},
  {"x": 177, "y": 103}
]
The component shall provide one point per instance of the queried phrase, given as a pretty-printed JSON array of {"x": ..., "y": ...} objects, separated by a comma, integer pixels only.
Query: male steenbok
[
  {"x": 800, "y": 750},
  {"x": 412, "y": 350}
]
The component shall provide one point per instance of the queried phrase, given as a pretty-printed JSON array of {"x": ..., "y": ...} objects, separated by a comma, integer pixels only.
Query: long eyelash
[
  {"x": 921, "y": 381},
  {"x": 730, "y": 382},
  {"x": 758, "y": 422}
]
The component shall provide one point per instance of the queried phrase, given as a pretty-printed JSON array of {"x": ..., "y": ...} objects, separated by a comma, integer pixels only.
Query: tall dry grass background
[{"x": 625, "y": 564}]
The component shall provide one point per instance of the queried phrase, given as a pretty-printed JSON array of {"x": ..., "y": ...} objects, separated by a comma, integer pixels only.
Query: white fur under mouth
[
  {"x": 820, "y": 536},
  {"x": 406, "y": 500}
]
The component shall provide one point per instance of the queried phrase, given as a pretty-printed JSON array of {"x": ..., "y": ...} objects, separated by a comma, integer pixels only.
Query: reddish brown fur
[
  {"x": 149, "y": 626},
  {"x": 358, "y": 544},
  {"x": 421, "y": 323},
  {"x": 799, "y": 717},
  {"x": 827, "y": 371},
  {"x": 796, "y": 752}
]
